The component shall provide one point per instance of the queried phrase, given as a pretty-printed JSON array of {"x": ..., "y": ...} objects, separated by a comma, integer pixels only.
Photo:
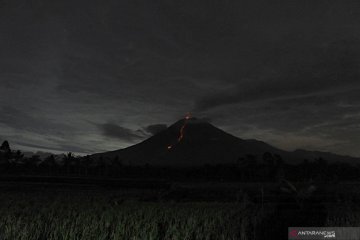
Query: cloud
[
  {"x": 155, "y": 128},
  {"x": 276, "y": 90},
  {"x": 317, "y": 70},
  {"x": 28, "y": 121},
  {"x": 59, "y": 147},
  {"x": 113, "y": 130}
]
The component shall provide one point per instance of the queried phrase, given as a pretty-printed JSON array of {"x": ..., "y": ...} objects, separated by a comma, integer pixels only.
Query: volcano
[{"x": 194, "y": 142}]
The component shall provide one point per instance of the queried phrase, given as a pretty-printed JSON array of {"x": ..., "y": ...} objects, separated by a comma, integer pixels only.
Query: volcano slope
[
  {"x": 190, "y": 142},
  {"x": 193, "y": 142}
]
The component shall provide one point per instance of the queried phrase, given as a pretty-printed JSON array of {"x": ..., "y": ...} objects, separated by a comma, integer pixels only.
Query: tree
[
  {"x": 270, "y": 166},
  {"x": 87, "y": 162},
  {"x": 77, "y": 161},
  {"x": 278, "y": 159},
  {"x": 18, "y": 156},
  {"x": 247, "y": 166},
  {"x": 50, "y": 164},
  {"x": 30, "y": 164},
  {"x": 5, "y": 146},
  {"x": 68, "y": 160},
  {"x": 116, "y": 166},
  {"x": 5, "y": 155},
  {"x": 268, "y": 159}
]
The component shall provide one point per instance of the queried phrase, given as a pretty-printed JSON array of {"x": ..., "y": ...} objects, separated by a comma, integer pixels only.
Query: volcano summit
[{"x": 194, "y": 142}]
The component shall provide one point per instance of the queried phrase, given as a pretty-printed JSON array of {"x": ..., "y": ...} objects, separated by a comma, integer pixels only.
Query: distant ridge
[{"x": 194, "y": 142}]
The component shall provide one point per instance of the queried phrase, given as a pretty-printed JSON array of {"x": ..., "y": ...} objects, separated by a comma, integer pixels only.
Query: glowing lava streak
[
  {"x": 181, "y": 132},
  {"x": 181, "y": 135}
]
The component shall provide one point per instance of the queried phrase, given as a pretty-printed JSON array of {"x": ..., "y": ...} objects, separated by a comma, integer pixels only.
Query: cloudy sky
[{"x": 89, "y": 76}]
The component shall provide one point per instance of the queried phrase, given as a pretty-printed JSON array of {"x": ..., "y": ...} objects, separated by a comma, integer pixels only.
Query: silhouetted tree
[
  {"x": 321, "y": 166},
  {"x": 100, "y": 166},
  {"x": 30, "y": 164},
  {"x": 18, "y": 156},
  {"x": 68, "y": 160},
  {"x": 268, "y": 159},
  {"x": 87, "y": 163},
  {"x": 270, "y": 166},
  {"x": 5, "y": 146},
  {"x": 5, "y": 155},
  {"x": 247, "y": 166},
  {"x": 77, "y": 162},
  {"x": 50, "y": 164},
  {"x": 116, "y": 166}
]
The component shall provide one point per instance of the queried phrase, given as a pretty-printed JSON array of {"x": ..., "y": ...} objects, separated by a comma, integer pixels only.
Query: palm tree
[{"x": 300, "y": 205}]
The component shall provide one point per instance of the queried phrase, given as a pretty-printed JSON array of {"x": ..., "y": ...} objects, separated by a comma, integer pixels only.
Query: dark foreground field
[{"x": 89, "y": 209}]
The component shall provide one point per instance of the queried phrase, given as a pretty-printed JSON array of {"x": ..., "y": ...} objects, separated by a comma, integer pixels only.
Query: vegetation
[
  {"x": 270, "y": 168},
  {"x": 34, "y": 217},
  {"x": 255, "y": 198},
  {"x": 65, "y": 213}
]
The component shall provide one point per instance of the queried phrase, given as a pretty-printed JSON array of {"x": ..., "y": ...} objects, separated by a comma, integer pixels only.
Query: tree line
[{"x": 270, "y": 167}]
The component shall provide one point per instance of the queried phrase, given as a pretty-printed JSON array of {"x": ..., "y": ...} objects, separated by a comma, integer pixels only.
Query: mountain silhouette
[{"x": 194, "y": 142}]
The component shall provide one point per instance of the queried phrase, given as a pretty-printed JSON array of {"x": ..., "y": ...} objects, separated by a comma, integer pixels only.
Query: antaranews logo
[
  {"x": 324, "y": 233},
  {"x": 293, "y": 233},
  {"x": 317, "y": 233}
]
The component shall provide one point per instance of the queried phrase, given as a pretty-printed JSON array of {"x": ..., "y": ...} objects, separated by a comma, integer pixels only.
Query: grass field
[
  {"x": 34, "y": 216},
  {"x": 83, "y": 212}
]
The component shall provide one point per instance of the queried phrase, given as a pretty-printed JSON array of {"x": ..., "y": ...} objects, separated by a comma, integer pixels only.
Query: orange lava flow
[
  {"x": 181, "y": 136},
  {"x": 181, "y": 132}
]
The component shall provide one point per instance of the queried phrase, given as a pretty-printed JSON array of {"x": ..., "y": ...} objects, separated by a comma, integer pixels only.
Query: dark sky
[{"x": 88, "y": 76}]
